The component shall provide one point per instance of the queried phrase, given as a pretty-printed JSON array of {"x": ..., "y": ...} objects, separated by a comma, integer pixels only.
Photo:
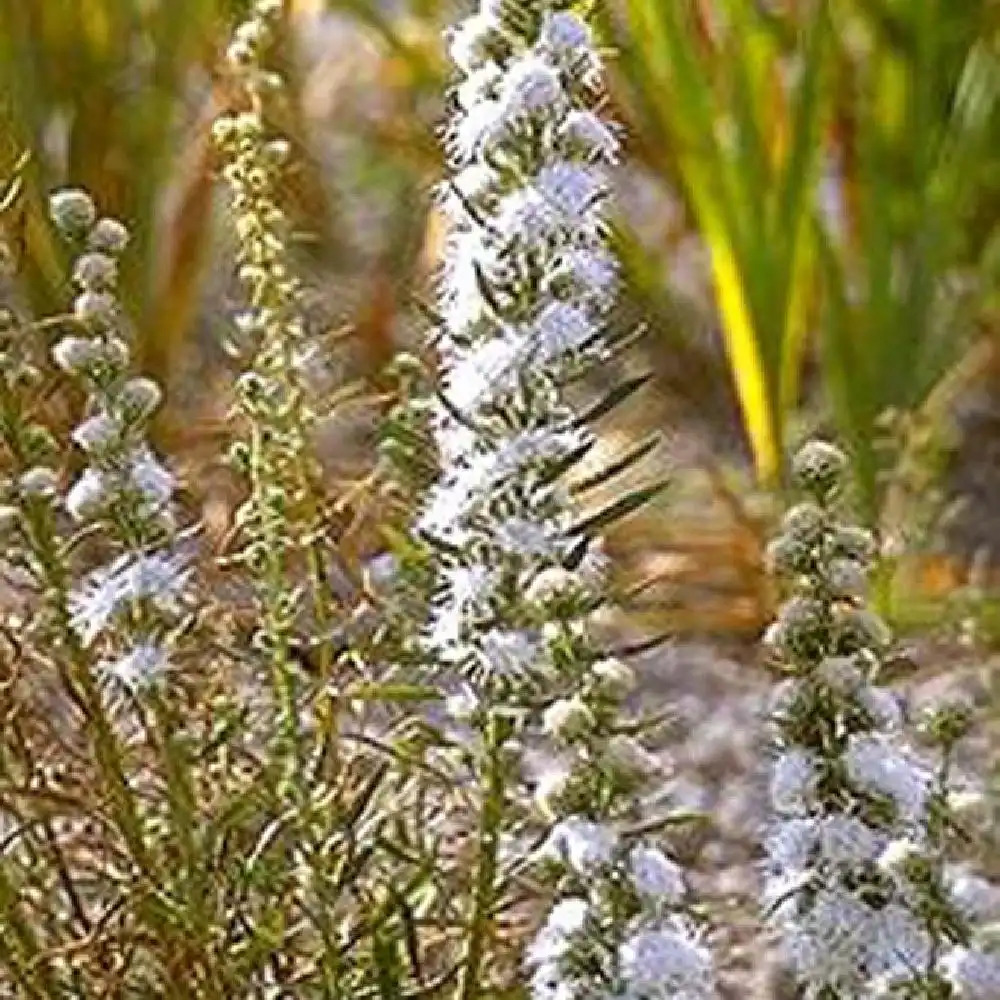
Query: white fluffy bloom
[
  {"x": 848, "y": 841},
  {"x": 793, "y": 782},
  {"x": 97, "y": 433},
  {"x": 900, "y": 947},
  {"x": 560, "y": 329},
  {"x": 151, "y": 480},
  {"x": 483, "y": 374},
  {"x": 530, "y": 86},
  {"x": 974, "y": 974},
  {"x": 548, "y": 983},
  {"x": 878, "y": 765},
  {"x": 583, "y": 844},
  {"x": 975, "y": 897},
  {"x": 590, "y": 272},
  {"x": 791, "y": 845},
  {"x": 138, "y": 668},
  {"x": 827, "y": 943},
  {"x": 157, "y": 577},
  {"x": 565, "y": 920},
  {"x": 883, "y": 706},
  {"x": 478, "y": 85},
  {"x": 469, "y": 43},
  {"x": 89, "y": 495},
  {"x": 667, "y": 961},
  {"x": 655, "y": 876},
  {"x": 584, "y": 131},
  {"x": 567, "y": 718},
  {"x": 475, "y": 132},
  {"x": 509, "y": 651}
]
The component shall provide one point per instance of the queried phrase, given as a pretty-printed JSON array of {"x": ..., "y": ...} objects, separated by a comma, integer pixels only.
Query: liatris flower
[
  {"x": 526, "y": 288},
  {"x": 854, "y": 869},
  {"x": 135, "y": 602}
]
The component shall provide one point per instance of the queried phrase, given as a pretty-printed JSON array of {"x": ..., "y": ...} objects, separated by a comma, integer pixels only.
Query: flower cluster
[
  {"x": 855, "y": 874},
  {"x": 135, "y": 602},
  {"x": 527, "y": 285},
  {"x": 621, "y": 926},
  {"x": 281, "y": 522}
]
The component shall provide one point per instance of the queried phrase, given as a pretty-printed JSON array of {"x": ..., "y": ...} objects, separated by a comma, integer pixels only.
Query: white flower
[
  {"x": 509, "y": 651},
  {"x": 140, "y": 667},
  {"x": 477, "y": 130},
  {"x": 571, "y": 188},
  {"x": 531, "y": 86},
  {"x": 462, "y": 705},
  {"x": 883, "y": 706},
  {"x": 564, "y": 33},
  {"x": 484, "y": 374},
  {"x": 629, "y": 757},
  {"x": 840, "y": 673},
  {"x": 469, "y": 43},
  {"x": 790, "y": 846},
  {"x": 72, "y": 210},
  {"x": 478, "y": 85},
  {"x": 139, "y": 397},
  {"x": 89, "y": 495},
  {"x": 567, "y": 718},
  {"x": 547, "y": 983},
  {"x": 655, "y": 875},
  {"x": 565, "y": 920},
  {"x": 897, "y": 855},
  {"x": 153, "y": 482},
  {"x": 108, "y": 236},
  {"x": 39, "y": 481},
  {"x": 550, "y": 786},
  {"x": 584, "y": 845},
  {"x": 667, "y": 961},
  {"x": 582, "y": 130},
  {"x": 614, "y": 678},
  {"x": 877, "y": 765},
  {"x": 900, "y": 947},
  {"x": 793, "y": 782},
  {"x": 550, "y": 584},
  {"x": 974, "y": 974},
  {"x": 95, "y": 271},
  {"x": 157, "y": 577},
  {"x": 848, "y": 841},
  {"x": 975, "y": 897},
  {"x": 97, "y": 433},
  {"x": 827, "y": 943},
  {"x": 592, "y": 273},
  {"x": 560, "y": 329},
  {"x": 99, "y": 308}
]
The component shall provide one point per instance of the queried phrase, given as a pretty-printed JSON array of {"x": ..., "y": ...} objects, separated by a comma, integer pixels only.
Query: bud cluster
[
  {"x": 281, "y": 518},
  {"x": 854, "y": 870},
  {"x": 134, "y": 603}
]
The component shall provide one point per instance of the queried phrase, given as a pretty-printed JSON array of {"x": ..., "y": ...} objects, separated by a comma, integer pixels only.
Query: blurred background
[{"x": 808, "y": 221}]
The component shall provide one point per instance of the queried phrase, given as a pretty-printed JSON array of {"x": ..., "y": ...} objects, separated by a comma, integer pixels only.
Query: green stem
[{"x": 490, "y": 825}]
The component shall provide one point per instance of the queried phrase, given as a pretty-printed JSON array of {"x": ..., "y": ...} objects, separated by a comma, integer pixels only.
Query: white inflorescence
[
  {"x": 526, "y": 288},
  {"x": 124, "y": 487},
  {"x": 853, "y": 869}
]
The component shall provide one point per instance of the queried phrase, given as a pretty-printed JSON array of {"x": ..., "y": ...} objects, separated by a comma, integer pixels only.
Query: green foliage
[{"x": 885, "y": 111}]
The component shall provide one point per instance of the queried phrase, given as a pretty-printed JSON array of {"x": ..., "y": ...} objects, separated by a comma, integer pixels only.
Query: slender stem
[{"x": 491, "y": 821}]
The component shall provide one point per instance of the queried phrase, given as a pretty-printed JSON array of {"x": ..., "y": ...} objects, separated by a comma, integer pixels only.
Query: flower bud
[
  {"x": 109, "y": 236},
  {"x": 72, "y": 210},
  {"x": 614, "y": 678},
  {"x": 39, "y": 482},
  {"x": 567, "y": 718},
  {"x": 818, "y": 468}
]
